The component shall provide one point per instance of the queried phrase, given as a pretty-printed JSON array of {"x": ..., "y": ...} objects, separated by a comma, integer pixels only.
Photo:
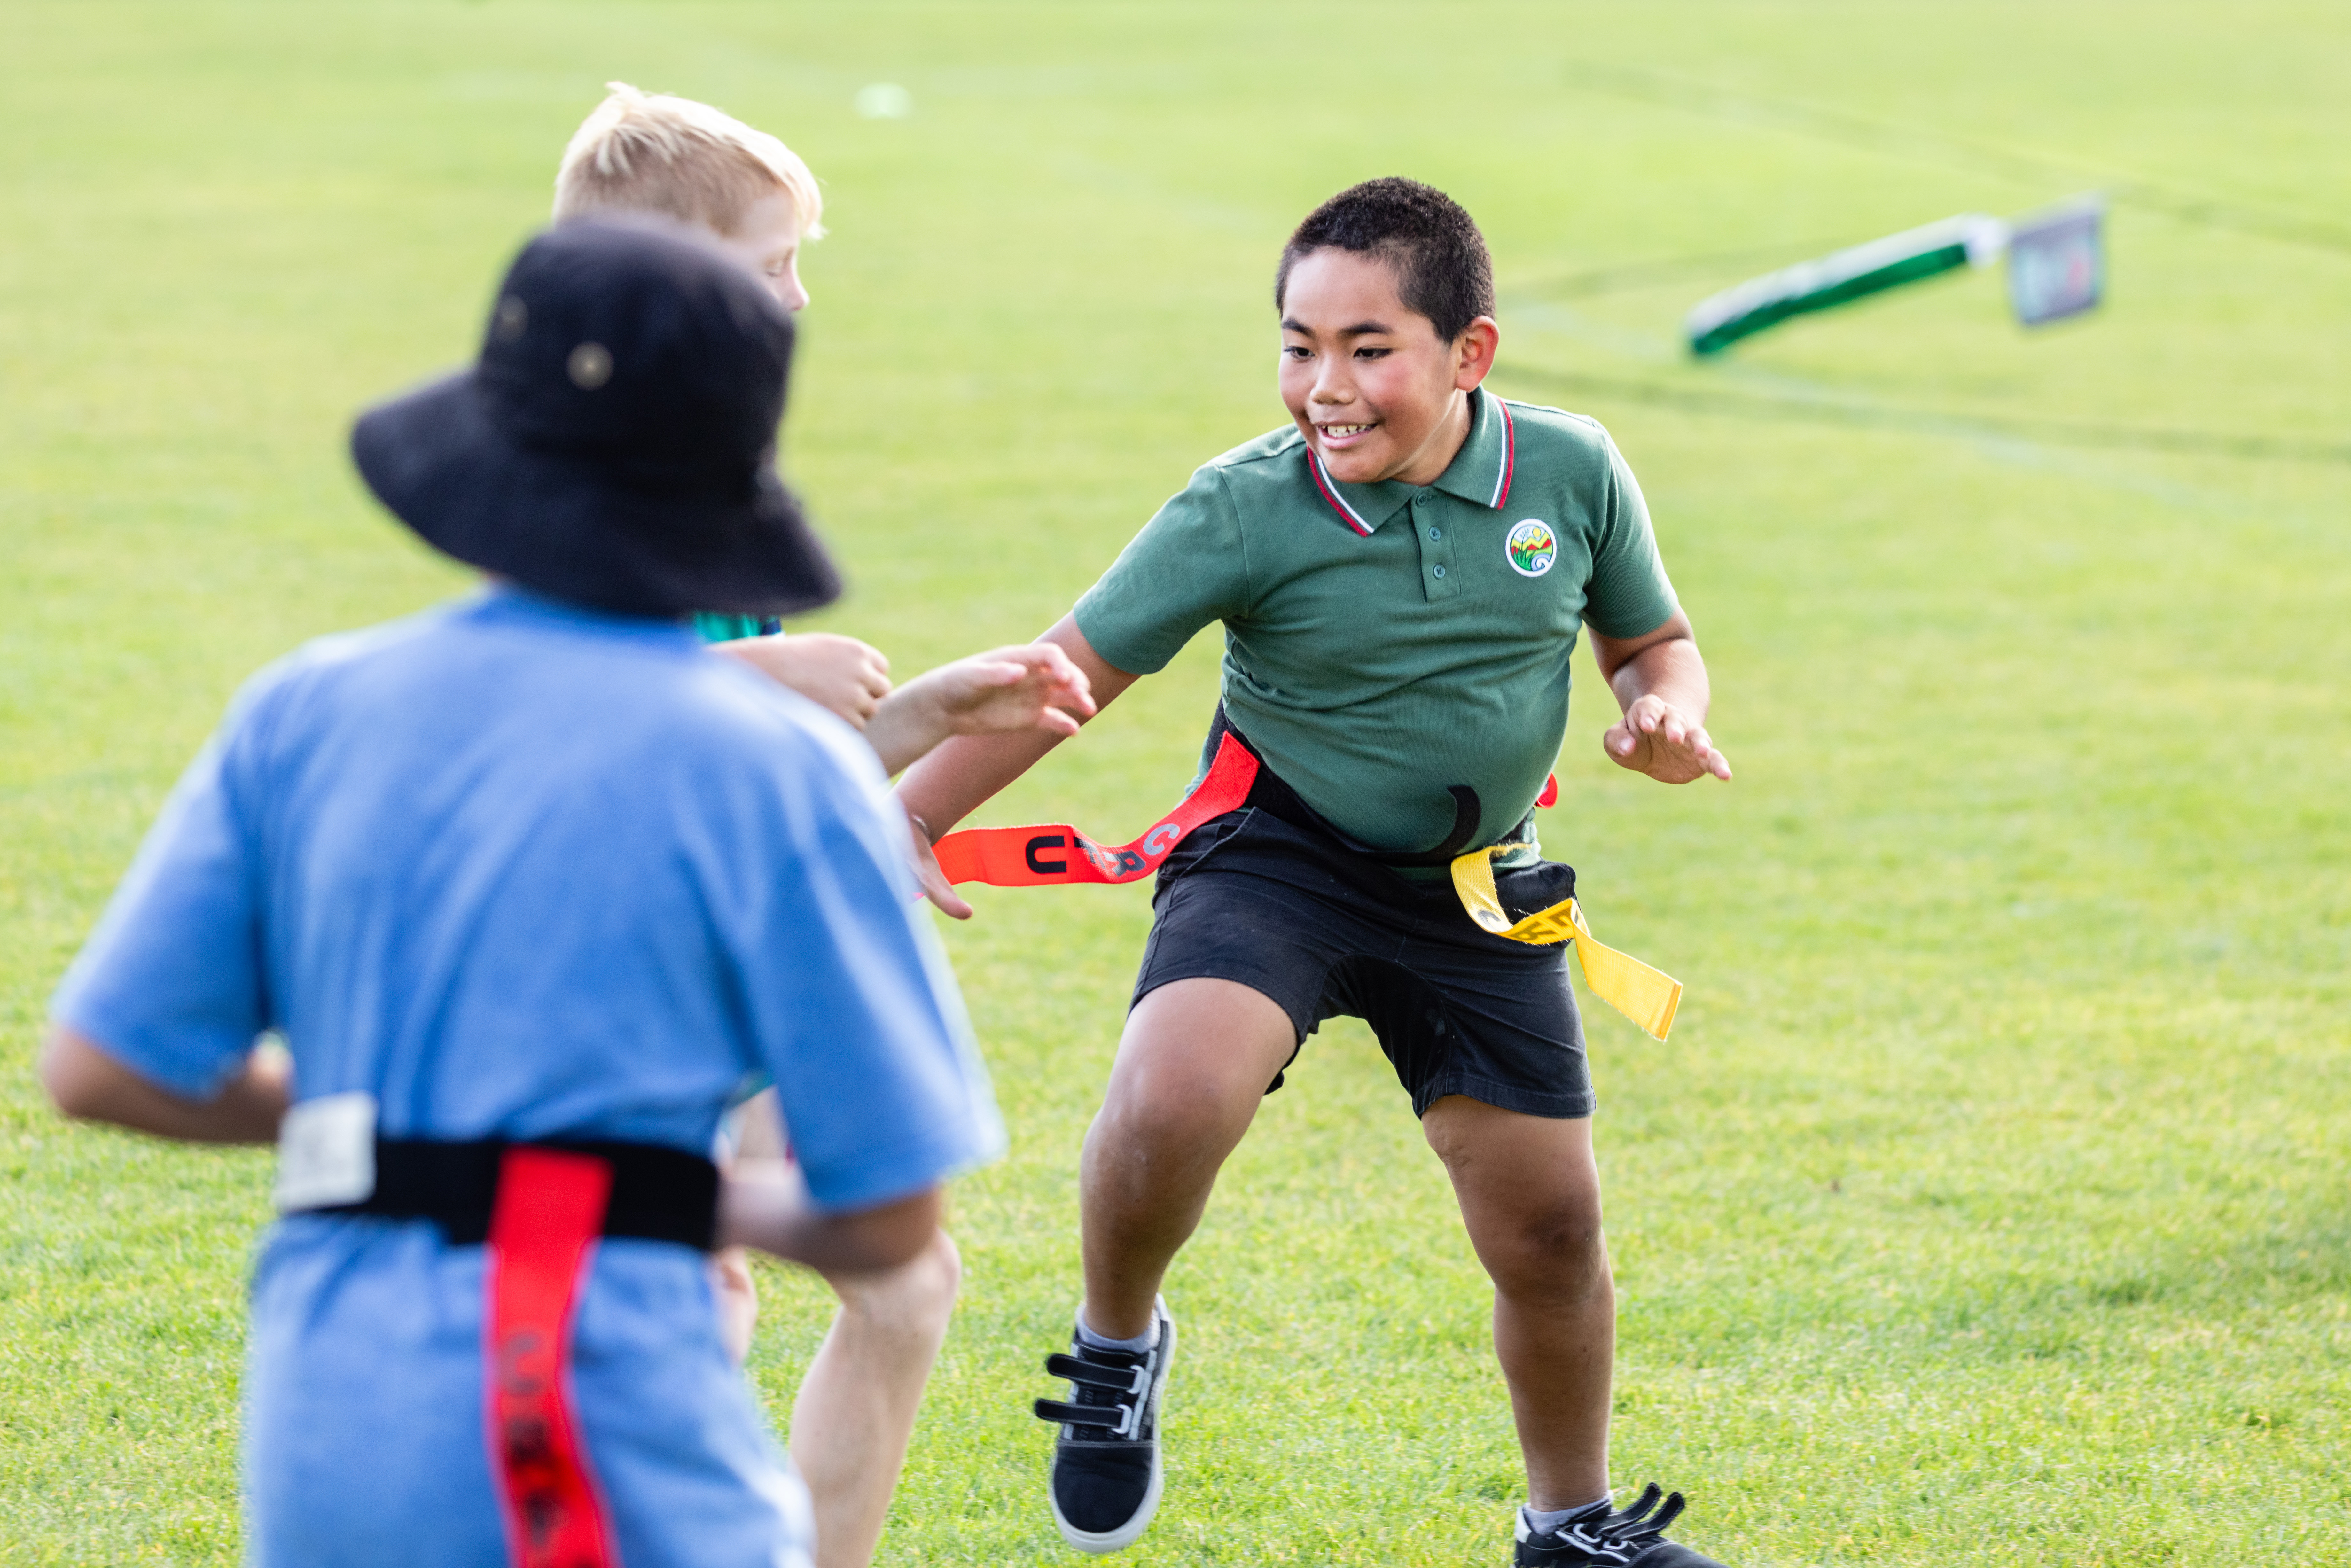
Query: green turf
[{"x": 1987, "y": 1205}]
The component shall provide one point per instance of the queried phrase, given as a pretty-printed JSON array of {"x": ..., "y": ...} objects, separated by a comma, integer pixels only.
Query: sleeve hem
[
  {"x": 869, "y": 1184},
  {"x": 202, "y": 1088},
  {"x": 1648, "y": 625},
  {"x": 1125, "y": 661}
]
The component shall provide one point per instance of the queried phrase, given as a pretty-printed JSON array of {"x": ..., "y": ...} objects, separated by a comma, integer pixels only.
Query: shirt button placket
[{"x": 1438, "y": 579}]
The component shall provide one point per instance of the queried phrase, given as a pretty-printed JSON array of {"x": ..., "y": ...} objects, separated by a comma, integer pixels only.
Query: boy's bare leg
[
  {"x": 1529, "y": 1193},
  {"x": 856, "y": 1408},
  {"x": 1192, "y": 1068}
]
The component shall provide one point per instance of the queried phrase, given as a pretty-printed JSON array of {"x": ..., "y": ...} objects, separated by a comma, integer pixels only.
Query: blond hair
[{"x": 653, "y": 152}]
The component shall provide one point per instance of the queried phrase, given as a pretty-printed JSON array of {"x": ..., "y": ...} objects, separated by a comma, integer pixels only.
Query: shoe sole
[{"x": 1127, "y": 1534}]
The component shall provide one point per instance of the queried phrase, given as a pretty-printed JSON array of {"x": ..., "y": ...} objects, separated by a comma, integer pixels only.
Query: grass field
[{"x": 1989, "y": 1202}]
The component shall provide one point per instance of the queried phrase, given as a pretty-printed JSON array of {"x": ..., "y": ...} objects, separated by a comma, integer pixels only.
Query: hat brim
[{"x": 438, "y": 461}]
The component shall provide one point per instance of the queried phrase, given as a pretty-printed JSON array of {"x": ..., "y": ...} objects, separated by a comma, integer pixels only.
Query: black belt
[
  {"x": 1269, "y": 794},
  {"x": 659, "y": 1194}
]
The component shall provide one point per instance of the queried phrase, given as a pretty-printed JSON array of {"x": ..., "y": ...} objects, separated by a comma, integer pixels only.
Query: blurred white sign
[{"x": 2057, "y": 263}]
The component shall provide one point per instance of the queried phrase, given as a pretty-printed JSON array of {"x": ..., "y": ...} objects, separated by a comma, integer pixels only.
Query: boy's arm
[
  {"x": 958, "y": 778},
  {"x": 1660, "y": 682},
  {"x": 85, "y": 1082},
  {"x": 762, "y": 1204}
]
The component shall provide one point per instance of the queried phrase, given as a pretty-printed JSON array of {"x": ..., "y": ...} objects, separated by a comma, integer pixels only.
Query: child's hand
[
  {"x": 934, "y": 880},
  {"x": 831, "y": 671},
  {"x": 1005, "y": 689},
  {"x": 1653, "y": 737},
  {"x": 1033, "y": 687}
]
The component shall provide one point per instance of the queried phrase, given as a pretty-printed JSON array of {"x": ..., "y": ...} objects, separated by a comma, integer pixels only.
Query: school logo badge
[{"x": 1532, "y": 548}]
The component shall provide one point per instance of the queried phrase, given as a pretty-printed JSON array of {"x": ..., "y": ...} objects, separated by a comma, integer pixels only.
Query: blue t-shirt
[{"x": 520, "y": 870}]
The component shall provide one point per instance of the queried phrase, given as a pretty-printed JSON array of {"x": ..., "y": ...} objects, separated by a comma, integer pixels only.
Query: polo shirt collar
[{"x": 1480, "y": 472}]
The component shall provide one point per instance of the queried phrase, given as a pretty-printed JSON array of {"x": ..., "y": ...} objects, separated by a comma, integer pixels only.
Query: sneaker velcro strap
[
  {"x": 1117, "y": 1419},
  {"x": 1122, "y": 1380}
]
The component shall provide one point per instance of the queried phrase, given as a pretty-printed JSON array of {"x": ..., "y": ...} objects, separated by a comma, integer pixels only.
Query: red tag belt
[
  {"x": 548, "y": 1213},
  {"x": 1054, "y": 853}
]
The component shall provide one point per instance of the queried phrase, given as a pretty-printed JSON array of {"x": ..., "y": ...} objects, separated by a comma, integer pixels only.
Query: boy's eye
[
  {"x": 1371, "y": 353},
  {"x": 1295, "y": 353}
]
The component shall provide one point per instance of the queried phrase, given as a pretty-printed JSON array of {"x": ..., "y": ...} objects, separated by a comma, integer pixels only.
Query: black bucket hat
[{"x": 615, "y": 444}]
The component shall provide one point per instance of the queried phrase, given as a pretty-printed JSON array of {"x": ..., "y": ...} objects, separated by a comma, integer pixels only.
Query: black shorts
[{"x": 1291, "y": 911}]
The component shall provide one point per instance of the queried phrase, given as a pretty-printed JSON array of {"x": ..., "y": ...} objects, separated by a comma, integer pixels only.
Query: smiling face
[
  {"x": 1376, "y": 392},
  {"x": 768, "y": 241}
]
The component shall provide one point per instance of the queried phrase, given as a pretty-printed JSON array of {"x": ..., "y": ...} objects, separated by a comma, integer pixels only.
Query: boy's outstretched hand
[
  {"x": 1033, "y": 687},
  {"x": 1656, "y": 739}
]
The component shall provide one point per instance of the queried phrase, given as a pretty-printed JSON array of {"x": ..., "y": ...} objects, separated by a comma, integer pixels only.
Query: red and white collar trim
[
  {"x": 1330, "y": 488},
  {"x": 1354, "y": 519},
  {"x": 1509, "y": 455}
]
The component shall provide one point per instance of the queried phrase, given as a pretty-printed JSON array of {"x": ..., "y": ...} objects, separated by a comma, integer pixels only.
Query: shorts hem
[
  {"x": 1552, "y": 1105},
  {"x": 1257, "y": 980}
]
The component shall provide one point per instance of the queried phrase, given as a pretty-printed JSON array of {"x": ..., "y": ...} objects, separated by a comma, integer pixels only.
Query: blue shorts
[{"x": 1288, "y": 910}]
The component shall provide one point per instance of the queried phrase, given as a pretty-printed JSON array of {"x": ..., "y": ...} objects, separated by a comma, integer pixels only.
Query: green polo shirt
[{"x": 1384, "y": 642}]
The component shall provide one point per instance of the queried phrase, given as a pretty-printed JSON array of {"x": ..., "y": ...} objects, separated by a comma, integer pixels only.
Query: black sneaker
[
  {"x": 1629, "y": 1538},
  {"x": 1106, "y": 1476}
]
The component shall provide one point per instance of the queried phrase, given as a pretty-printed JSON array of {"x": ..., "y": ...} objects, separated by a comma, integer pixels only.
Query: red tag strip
[
  {"x": 543, "y": 1229},
  {"x": 1056, "y": 853}
]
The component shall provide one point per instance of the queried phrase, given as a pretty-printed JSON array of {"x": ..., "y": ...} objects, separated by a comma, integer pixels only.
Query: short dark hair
[{"x": 1443, "y": 270}]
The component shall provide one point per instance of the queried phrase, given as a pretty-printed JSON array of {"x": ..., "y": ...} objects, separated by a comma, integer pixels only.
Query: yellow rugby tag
[{"x": 1648, "y": 997}]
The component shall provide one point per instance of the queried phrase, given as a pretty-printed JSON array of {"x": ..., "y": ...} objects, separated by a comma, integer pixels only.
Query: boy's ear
[{"x": 1473, "y": 352}]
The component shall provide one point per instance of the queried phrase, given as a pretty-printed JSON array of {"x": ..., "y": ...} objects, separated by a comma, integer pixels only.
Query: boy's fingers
[
  {"x": 943, "y": 895},
  {"x": 935, "y": 883}
]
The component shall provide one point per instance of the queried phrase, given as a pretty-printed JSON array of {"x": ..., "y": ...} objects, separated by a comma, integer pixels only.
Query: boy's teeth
[{"x": 1344, "y": 429}]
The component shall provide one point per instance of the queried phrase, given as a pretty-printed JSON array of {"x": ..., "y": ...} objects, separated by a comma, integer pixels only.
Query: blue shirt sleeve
[
  {"x": 848, "y": 998},
  {"x": 170, "y": 982}
]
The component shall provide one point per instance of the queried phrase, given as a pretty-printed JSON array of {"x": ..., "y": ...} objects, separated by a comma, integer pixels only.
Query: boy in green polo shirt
[{"x": 1402, "y": 573}]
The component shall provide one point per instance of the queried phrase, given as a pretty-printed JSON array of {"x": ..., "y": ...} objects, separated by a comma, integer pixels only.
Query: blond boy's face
[{"x": 769, "y": 243}]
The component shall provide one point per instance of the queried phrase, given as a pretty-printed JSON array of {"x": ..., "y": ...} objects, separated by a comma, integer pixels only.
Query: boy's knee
[
  {"x": 1554, "y": 1248},
  {"x": 917, "y": 1296},
  {"x": 1162, "y": 1122},
  {"x": 933, "y": 1277}
]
